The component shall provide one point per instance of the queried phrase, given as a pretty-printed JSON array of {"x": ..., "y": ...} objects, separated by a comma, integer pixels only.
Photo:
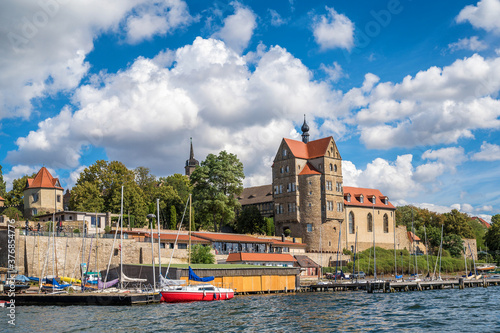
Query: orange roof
[
  {"x": 367, "y": 193},
  {"x": 43, "y": 179},
  {"x": 266, "y": 257},
  {"x": 312, "y": 149},
  {"x": 412, "y": 237},
  {"x": 2, "y": 199},
  {"x": 219, "y": 237},
  {"x": 182, "y": 238},
  {"x": 309, "y": 170},
  {"x": 482, "y": 221},
  {"x": 287, "y": 243}
]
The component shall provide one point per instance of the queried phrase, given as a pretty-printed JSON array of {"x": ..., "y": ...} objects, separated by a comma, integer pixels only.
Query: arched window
[
  {"x": 335, "y": 168},
  {"x": 331, "y": 167},
  {"x": 370, "y": 222},
  {"x": 386, "y": 224},
  {"x": 351, "y": 222}
]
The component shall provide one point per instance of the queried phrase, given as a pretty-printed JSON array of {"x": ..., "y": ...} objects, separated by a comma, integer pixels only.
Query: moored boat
[
  {"x": 195, "y": 293},
  {"x": 486, "y": 268}
]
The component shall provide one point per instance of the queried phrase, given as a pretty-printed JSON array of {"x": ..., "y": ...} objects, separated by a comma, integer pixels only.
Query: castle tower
[
  {"x": 308, "y": 191},
  {"x": 191, "y": 163},
  {"x": 42, "y": 194}
]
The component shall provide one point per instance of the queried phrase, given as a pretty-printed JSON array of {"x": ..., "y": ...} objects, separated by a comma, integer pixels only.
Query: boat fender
[
  {"x": 227, "y": 295},
  {"x": 215, "y": 296},
  {"x": 204, "y": 293}
]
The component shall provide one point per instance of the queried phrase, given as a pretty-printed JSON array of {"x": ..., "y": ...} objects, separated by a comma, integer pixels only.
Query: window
[
  {"x": 276, "y": 191},
  {"x": 386, "y": 201},
  {"x": 182, "y": 246},
  {"x": 284, "y": 153},
  {"x": 281, "y": 189},
  {"x": 309, "y": 227},
  {"x": 35, "y": 197},
  {"x": 288, "y": 187},
  {"x": 293, "y": 187},
  {"x": 310, "y": 192},
  {"x": 309, "y": 204},
  {"x": 361, "y": 198},
  {"x": 351, "y": 222},
  {"x": 34, "y": 211},
  {"x": 335, "y": 168},
  {"x": 58, "y": 198},
  {"x": 370, "y": 222},
  {"x": 287, "y": 169},
  {"x": 162, "y": 245},
  {"x": 320, "y": 166},
  {"x": 339, "y": 187},
  {"x": 281, "y": 170},
  {"x": 291, "y": 207},
  {"x": 340, "y": 207},
  {"x": 328, "y": 185},
  {"x": 331, "y": 166},
  {"x": 373, "y": 200},
  {"x": 116, "y": 252},
  {"x": 386, "y": 224},
  {"x": 329, "y": 205},
  {"x": 348, "y": 198}
]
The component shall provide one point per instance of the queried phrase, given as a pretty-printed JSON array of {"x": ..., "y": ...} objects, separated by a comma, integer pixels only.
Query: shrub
[{"x": 202, "y": 255}]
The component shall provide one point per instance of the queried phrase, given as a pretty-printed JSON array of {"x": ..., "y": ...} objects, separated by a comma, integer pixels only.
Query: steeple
[
  {"x": 192, "y": 163},
  {"x": 305, "y": 131}
]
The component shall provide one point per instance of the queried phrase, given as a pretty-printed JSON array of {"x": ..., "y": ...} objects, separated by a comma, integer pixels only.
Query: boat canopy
[
  {"x": 164, "y": 282},
  {"x": 194, "y": 277}
]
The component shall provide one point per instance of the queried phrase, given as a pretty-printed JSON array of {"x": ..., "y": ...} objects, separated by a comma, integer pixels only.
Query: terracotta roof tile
[
  {"x": 2, "y": 199},
  {"x": 288, "y": 243},
  {"x": 367, "y": 193},
  {"x": 305, "y": 261},
  {"x": 220, "y": 237},
  {"x": 482, "y": 221},
  {"x": 309, "y": 169},
  {"x": 312, "y": 149},
  {"x": 412, "y": 237},
  {"x": 264, "y": 257},
  {"x": 44, "y": 179}
]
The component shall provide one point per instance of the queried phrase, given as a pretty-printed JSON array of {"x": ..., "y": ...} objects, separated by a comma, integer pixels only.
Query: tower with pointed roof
[
  {"x": 42, "y": 194},
  {"x": 191, "y": 163},
  {"x": 307, "y": 191}
]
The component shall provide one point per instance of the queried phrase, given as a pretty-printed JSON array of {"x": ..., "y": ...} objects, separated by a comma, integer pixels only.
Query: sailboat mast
[
  {"x": 153, "y": 252},
  {"x": 189, "y": 252},
  {"x": 158, "y": 222},
  {"x": 121, "y": 241},
  {"x": 374, "y": 251},
  {"x": 426, "y": 250},
  {"x": 54, "y": 238},
  {"x": 465, "y": 261},
  {"x": 338, "y": 250},
  {"x": 441, "y": 251}
]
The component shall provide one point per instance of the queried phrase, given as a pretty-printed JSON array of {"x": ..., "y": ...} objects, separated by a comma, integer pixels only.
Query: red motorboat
[{"x": 195, "y": 293}]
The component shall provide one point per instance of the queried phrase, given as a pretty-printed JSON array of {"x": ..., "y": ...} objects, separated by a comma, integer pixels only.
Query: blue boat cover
[
  {"x": 195, "y": 277},
  {"x": 22, "y": 278},
  {"x": 399, "y": 276}
]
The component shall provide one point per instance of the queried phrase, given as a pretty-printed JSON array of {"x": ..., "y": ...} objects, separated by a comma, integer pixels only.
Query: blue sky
[{"x": 408, "y": 89}]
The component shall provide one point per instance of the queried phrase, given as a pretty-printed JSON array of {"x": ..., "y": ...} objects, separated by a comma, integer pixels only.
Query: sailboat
[{"x": 175, "y": 293}]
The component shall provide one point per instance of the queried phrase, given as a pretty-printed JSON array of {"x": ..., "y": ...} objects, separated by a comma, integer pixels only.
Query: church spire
[
  {"x": 305, "y": 131},
  {"x": 192, "y": 163}
]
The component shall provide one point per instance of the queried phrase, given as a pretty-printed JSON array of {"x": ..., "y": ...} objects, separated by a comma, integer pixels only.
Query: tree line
[{"x": 214, "y": 185}]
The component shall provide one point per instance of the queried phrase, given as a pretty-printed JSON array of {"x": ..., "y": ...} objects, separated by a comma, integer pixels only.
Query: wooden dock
[{"x": 84, "y": 299}]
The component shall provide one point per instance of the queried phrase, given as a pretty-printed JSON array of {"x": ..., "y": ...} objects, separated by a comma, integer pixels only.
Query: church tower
[{"x": 192, "y": 163}]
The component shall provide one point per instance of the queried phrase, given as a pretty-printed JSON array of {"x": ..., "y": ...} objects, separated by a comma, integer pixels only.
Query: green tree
[
  {"x": 15, "y": 196},
  {"x": 173, "y": 218},
  {"x": 457, "y": 223},
  {"x": 3, "y": 185},
  {"x": 453, "y": 244},
  {"x": 86, "y": 197},
  {"x": 269, "y": 226},
  {"x": 218, "y": 181},
  {"x": 108, "y": 178},
  {"x": 201, "y": 254},
  {"x": 146, "y": 182},
  {"x": 479, "y": 231},
  {"x": 492, "y": 236},
  {"x": 13, "y": 213},
  {"x": 250, "y": 221}
]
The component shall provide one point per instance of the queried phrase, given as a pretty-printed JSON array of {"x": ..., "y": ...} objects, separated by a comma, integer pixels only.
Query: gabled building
[
  {"x": 307, "y": 191},
  {"x": 259, "y": 196},
  {"x": 191, "y": 163},
  {"x": 262, "y": 259},
  {"x": 42, "y": 194},
  {"x": 481, "y": 222}
]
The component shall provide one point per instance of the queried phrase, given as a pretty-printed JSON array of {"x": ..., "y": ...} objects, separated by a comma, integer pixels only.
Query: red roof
[
  {"x": 368, "y": 194},
  {"x": 219, "y": 237},
  {"x": 182, "y": 238},
  {"x": 312, "y": 149},
  {"x": 483, "y": 222},
  {"x": 309, "y": 170},
  {"x": 287, "y": 243},
  {"x": 412, "y": 237},
  {"x": 43, "y": 179},
  {"x": 2, "y": 199},
  {"x": 264, "y": 257}
]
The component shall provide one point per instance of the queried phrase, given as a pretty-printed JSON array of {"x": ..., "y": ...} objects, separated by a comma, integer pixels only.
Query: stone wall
[
  {"x": 473, "y": 247},
  {"x": 46, "y": 202}
]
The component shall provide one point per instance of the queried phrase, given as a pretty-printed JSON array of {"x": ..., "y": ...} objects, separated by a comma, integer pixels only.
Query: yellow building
[
  {"x": 371, "y": 216},
  {"x": 42, "y": 194}
]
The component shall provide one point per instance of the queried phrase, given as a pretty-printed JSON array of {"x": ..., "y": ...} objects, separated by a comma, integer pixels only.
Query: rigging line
[{"x": 176, "y": 238}]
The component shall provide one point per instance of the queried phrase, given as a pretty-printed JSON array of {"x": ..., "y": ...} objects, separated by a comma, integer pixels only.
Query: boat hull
[{"x": 182, "y": 296}]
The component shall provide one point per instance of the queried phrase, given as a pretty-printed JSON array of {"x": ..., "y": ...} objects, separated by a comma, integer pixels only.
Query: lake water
[{"x": 473, "y": 310}]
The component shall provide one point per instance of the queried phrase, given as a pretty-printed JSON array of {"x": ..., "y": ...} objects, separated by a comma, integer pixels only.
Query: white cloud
[
  {"x": 44, "y": 45},
  {"x": 276, "y": 19},
  {"x": 446, "y": 161},
  {"x": 436, "y": 106},
  {"x": 19, "y": 171},
  {"x": 489, "y": 152},
  {"x": 484, "y": 15},
  {"x": 238, "y": 28},
  {"x": 334, "y": 72},
  {"x": 472, "y": 44},
  {"x": 145, "y": 114},
  {"x": 156, "y": 17},
  {"x": 333, "y": 30}
]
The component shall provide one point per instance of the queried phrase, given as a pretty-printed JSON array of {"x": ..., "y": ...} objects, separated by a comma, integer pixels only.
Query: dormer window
[
  {"x": 386, "y": 201},
  {"x": 361, "y": 198},
  {"x": 348, "y": 198},
  {"x": 373, "y": 200}
]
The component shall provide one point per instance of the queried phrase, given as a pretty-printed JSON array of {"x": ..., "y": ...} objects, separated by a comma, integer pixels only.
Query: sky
[{"x": 409, "y": 90}]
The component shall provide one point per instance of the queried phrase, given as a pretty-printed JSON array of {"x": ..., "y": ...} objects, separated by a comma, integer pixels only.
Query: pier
[
  {"x": 84, "y": 299},
  {"x": 394, "y": 286}
]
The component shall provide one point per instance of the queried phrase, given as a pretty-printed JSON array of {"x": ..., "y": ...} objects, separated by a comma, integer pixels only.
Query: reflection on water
[{"x": 474, "y": 309}]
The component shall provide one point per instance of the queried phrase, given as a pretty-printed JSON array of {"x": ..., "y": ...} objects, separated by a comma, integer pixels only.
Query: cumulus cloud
[
  {"x": 238, "y": 28},
  {"x": 18, "y": 171},
  {"x": 472, "y": 44},
  {"x": 37, "y": 59},
  {"x": 334, "y": 71},
  {"x": 483, "y": 15},
  {"x": 156, "y": 17},
  {"x": 489, "y": 152},
  {"x": 333, "y": 30},
  {"x": 436, "y": 106},
  {"x": 276, "y": 19},
  {"x": 145, "y": 114}
]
